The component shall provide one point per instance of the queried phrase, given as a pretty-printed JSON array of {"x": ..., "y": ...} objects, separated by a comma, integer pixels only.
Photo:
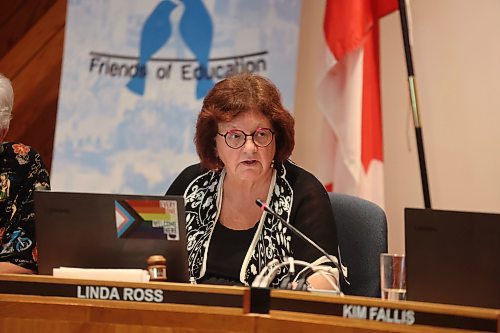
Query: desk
[{"x": 47, "y": 304}]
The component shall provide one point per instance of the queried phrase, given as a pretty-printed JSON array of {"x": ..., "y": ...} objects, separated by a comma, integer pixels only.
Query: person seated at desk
[
  {"x": 21, "y": 172},
  {"x": 244, "y": 138}
]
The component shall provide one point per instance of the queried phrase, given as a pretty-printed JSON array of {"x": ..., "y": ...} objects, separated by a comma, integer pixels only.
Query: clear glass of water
[{"x": 393, "y": 276}]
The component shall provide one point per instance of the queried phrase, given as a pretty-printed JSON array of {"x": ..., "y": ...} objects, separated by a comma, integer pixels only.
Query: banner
[{"x": 134, "y": 76}]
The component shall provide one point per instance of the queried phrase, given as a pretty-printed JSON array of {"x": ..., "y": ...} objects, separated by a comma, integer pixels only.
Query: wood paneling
[
  {"x": 17, "y": 17},
  {"x": 31, "y": 49}
]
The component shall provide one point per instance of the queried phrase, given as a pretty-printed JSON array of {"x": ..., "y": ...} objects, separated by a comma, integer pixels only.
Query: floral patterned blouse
[{"x": 21, "y": 173}]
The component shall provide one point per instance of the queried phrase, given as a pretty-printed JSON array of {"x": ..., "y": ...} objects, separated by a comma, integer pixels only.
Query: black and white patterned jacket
[{"x": 295, "y": 194}]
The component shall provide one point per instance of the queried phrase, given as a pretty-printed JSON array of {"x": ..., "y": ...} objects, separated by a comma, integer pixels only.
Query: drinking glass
[{"x": 393, "y": 276}]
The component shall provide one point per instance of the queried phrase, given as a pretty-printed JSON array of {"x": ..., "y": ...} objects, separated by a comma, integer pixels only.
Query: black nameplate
[
  {"x": 133, "y": 294},
  {"x": 387, "y": 314}
]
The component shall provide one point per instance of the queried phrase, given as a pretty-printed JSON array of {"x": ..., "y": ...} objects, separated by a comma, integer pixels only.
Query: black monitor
[
  {"x": 453, "y": 257},
  {"x": 89, "y": 230}
]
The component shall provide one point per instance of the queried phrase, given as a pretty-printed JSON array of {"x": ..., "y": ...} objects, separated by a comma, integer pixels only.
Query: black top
[{"x": 226, "y": 254}]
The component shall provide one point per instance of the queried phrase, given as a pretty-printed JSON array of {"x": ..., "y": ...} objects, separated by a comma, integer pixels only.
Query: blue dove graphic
[
  {"x": 155, "y": 33},
  {"x": 196, "y": 29}
]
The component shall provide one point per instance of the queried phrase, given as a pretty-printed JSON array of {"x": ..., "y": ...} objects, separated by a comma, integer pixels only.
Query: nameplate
[
  {"x": 118, "y": 293},
  {"x": 121, "y": 294},
  {"x": 386, "y": 314}
]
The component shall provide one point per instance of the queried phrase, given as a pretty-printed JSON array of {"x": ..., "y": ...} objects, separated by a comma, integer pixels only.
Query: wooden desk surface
[{"x": 47, "y": 304}]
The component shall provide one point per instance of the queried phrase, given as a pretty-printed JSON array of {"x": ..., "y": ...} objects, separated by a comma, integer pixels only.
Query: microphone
[{"x": 264, "y": 207}]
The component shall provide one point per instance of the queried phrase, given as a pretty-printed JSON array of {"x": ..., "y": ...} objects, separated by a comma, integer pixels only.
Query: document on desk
[{"x": 125, "y": 275}]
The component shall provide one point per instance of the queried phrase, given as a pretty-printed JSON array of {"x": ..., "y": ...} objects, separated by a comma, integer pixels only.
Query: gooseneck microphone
[{"x": 264, "y": 207}]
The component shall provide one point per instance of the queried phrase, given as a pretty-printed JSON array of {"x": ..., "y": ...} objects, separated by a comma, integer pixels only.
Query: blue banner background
[{"x": 129, "y": 92}]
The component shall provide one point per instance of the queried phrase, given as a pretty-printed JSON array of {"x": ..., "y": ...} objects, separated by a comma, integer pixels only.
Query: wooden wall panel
[
  {"x": 17, "y": 17},
  {"x": 31, "y": 49}
]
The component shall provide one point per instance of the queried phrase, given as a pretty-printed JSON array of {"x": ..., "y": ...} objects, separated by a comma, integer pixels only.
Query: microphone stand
[
  {"x": 413, "y": 97},
  {"x": 263, "y": 206}
]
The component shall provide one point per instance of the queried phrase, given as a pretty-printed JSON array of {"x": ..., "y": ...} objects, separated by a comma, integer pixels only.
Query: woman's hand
[
  {"x": 9, "y": 268},
  {"x": 323, "y": 281}
]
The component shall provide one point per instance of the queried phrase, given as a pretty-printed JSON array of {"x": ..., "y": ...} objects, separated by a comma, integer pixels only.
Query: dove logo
[{"x": 196, "y": 30}]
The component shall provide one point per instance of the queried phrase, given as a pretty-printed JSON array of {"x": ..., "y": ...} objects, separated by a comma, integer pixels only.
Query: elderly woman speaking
[{"x": 244, "y": 138}]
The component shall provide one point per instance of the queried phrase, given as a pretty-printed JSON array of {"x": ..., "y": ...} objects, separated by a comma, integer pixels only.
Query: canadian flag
[{"x": 349, "y": 96}]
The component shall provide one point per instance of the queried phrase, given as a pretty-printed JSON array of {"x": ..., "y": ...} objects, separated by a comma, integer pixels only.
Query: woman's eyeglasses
[{"x": 262, "y": 137}]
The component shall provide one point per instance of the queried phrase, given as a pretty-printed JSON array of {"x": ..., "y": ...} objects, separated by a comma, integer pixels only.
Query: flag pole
[{"x": 413, "y": 97}]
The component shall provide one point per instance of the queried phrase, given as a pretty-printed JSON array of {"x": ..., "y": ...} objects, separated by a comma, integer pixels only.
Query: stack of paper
[{"x": 104, "y": 274}]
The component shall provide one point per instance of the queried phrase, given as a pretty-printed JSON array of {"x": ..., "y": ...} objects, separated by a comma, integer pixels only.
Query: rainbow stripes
[{"x": 143, "y": 218}]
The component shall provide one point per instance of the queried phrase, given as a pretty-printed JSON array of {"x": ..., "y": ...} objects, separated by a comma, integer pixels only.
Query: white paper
[{"x": 104, "y": 274}]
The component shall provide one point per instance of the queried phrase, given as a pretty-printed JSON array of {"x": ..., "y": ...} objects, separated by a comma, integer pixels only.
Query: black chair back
[{"x": 362, "y": 236}]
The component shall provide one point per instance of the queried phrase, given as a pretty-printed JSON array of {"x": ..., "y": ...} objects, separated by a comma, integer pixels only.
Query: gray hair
[{"x": 6, "y": 101}]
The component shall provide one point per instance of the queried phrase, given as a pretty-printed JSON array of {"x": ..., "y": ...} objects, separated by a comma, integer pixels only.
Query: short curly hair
[{"x": 239, "y": 93}]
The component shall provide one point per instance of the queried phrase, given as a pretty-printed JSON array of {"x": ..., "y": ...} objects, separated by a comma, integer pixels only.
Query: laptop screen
[
  {"x": 89, "y": 230},
  {"x": 453, "y": 257}
]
